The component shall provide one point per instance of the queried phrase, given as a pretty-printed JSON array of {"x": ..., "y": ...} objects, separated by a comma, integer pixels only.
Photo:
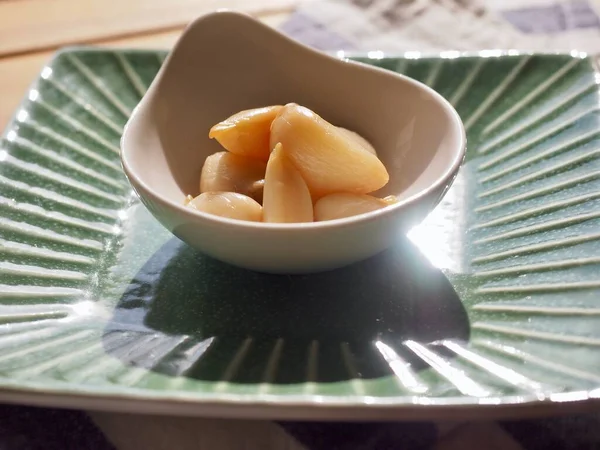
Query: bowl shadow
[{"x": 187, "y": 314}]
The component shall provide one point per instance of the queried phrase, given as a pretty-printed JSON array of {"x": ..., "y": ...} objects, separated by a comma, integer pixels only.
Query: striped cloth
[{"x": 437, "y": 25}]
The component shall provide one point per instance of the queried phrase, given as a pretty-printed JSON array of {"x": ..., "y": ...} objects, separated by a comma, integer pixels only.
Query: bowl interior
[{"x": 225, "y": 63}]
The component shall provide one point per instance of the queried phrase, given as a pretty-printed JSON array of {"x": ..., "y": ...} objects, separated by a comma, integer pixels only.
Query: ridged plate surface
[{"x": 493, "y": 300}]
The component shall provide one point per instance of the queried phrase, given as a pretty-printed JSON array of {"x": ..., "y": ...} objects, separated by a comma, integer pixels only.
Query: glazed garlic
[
  {"x": 286, "y": 197},
  {"x": 247, "y": 133},
  {"x": 227, "y": 204},
  {"x": 327, "y": 158},
  {"x": 337, "y": 206},
  {"x": 226, "y": 172}
]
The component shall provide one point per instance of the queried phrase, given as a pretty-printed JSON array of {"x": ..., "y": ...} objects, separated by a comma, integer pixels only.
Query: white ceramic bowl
[{"x": 226, "y": 62}]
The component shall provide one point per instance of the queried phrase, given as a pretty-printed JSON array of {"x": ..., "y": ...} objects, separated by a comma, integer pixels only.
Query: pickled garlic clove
[
  {"x": 187, "y": 200},
  {"x": 328, "y": 160},
  {"x": 247, "y": 132},
  {"x": 337, "y": 206},
  {"x": 359, "y": 139},
  {"x": 286, "y": 197},
  {"x": 228, "y": 204},
  {"x": 226, "y": 172}
]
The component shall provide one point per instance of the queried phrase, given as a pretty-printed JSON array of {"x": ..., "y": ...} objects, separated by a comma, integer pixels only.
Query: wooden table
[{"x": 32, "y": 30}]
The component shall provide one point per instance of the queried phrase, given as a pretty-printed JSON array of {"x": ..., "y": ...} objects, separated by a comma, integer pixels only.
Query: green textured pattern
[{"x": 494, "y": 296}]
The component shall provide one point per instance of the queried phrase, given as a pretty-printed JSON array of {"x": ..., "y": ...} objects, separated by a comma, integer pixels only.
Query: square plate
[{"x": 489, "y": 308}]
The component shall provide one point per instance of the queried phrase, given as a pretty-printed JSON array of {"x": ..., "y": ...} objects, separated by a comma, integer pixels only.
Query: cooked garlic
[
  {"x": 327, "y": 159},
  {"x": 286, "y": 197},
  {"x": 359, "y": 139},
  {"x": 228, "y": 204},
  {"x": 226, "y": 172},
  {"x": 247, "y": 132},
  {"x": 337, "y": 206}
]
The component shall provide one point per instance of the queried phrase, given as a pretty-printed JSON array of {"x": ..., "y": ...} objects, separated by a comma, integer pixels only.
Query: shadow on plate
[{"x": 187, "y": 314}]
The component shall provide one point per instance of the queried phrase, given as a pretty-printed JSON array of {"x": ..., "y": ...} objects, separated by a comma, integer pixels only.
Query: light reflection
[
  {"x": 85, "y": 308},
  {"x": 369, "y": 400},
  {"x": 400, "y": 368},
  {"x": 423, "y": 401},
  {"x": 34, "y": 95},
  {"x": 569, "y": 396},
  {"x": 509, "y": 375},
  {"x": 46, "y": 72},
  {"x": 190, "y": 356},
  {"x": 490, "y": 53},
  {"x": 440, "y": 237},
  {"x": 431, "y": 244},
  {"x": 22, "y": 115},
  {"x": 3, "y": 155},
  {"x": 450, "y": 54},
  {"x": 462, "y": 382},
  {"x": 340, "y": 54},
  {"x": 412, "y": 55},
  {"x": 494, "y": 400},
  {"x": 376, "y": 54},
  {"x": 11, "y": 136},
  {"x": 578, "y": 54}
]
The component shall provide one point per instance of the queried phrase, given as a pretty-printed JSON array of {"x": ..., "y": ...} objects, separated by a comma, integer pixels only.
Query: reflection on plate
[{"x": 493, "y": 300}]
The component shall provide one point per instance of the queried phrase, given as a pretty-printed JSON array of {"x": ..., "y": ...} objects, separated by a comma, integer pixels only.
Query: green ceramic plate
[{"x": 490, "y": 307}]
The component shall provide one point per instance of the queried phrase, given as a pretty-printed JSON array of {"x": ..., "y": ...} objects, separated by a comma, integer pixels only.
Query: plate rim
[{"x": 144, "y": 401}]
